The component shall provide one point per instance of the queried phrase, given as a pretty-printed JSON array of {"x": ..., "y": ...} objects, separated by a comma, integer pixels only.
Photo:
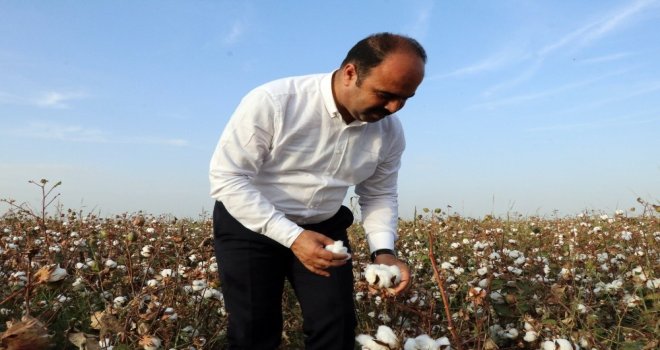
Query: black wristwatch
[{"x": 381, "y": 251}]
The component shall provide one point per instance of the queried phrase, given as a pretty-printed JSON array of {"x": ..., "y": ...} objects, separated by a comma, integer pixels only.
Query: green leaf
[
  {"x": 497, "y": 284},
  {"x": 504, "y": 310},
  {"x": 632, "y": 346}
]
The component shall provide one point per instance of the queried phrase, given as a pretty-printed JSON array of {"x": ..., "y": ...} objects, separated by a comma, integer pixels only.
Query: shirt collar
[{"x": 329, "y": 100}]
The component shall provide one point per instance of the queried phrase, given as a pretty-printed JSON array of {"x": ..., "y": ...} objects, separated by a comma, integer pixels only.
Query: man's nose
[{"x": 394, "y": 105}]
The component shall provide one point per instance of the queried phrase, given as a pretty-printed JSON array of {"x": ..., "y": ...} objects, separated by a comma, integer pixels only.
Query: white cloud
[
  {"x": 156, "y": 141},
  {"x": 235, "y": 32},
  {"x": 420, "y": 26},
  {"x": 618, "y": 19},
  {"x": 542, "y": 94},
  {"x": 525, "y": 75},
  {"x": 603, "y": 123},
  {"x": 607, "y": 58},
  {"x": 491, "y": 63},
  {"x": 50, "y": 99},
  {"x": 594, "y": 30},
  {"x": 77, "y": 133},
  {"x": 56, "y": 99},
  {"x": 574, "y": 40},
  {"x": 74, "y": 133}
]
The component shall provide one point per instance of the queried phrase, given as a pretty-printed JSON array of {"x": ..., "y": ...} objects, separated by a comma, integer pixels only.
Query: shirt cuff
[
  {"x": 380, "y": 240},
  {"x": 283, "y": 231}
]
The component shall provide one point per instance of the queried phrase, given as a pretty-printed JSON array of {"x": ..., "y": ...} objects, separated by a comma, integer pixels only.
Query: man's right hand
[{"x": 309, "y": 248}]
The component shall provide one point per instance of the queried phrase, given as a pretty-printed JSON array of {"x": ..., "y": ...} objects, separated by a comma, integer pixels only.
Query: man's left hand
[{"x": 389, "y": 259}]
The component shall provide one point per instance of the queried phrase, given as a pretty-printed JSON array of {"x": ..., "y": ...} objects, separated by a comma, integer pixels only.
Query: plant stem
[{"x": 443, "y": 293}]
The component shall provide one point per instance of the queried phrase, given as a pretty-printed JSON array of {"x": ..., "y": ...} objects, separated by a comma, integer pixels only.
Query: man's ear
[{"x": 349, "y": 74}]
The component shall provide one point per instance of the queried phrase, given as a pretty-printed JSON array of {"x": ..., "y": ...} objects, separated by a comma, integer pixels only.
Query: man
[{"x": 279, "y": 175}]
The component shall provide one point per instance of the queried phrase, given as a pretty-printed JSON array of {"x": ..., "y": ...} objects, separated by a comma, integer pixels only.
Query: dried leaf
[
  {"x": 84, "y": 341},
  {"x": 42, "y": 275},
  {"x": 104, "y": 321},
  {"x": 490, "y": 344},
  {"x": 27, "y": 334}
]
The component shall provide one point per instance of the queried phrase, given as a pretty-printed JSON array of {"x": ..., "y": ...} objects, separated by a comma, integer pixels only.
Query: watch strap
[{"x": 381, "y": 251}]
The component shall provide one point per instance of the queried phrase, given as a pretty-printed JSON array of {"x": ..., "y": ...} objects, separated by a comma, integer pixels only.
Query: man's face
[{"x": 385, "y": 88}]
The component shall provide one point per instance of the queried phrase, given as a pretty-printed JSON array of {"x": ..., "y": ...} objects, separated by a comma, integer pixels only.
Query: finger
[
  {"x": 336, "y": 263},
  {"x": 326, "y": 255},
  {"x": 317, "y": 271},
  {"x": 340, "y": 256},
  {"x": 322, "y": 264},
  {"x": 401, "y": 286}
]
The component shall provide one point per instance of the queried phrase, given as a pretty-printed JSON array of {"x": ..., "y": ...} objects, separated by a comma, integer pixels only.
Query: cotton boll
[
  {"x": 497, "y": 297},
  {"x": 368, "y": 343},
  {"x": 146, "y": 251},
  {"x": 424, "y": 342},
  {"x": 379, "y": 275},
  {"x": 409, "y": 344},
  {"x": 444, "y": 341},
  {"x": 653, "y": 284},
  {"x": 530, "y": 336},
  {"x": 385, "y": 276},
  {"x": 396, "y": 272},
  {"x": 212, "y": 293},
  {"x": 563, "y": 344},
  {"x": 167, "y": 273},
  {"x": 198, "y": 285},
  {"x": 78, "y": 284},
  {"x": 110, "y": 264},
  {"x": 548, "y": 345},
  {"x": 387, "y": 336},
  {"x": 119, "y": 301},
  {"x": 558, "y": 344},
  {"x": 511, "y": 333},
  {"x": 57, "y": 274},
  {"x": 370, "y": 274}
]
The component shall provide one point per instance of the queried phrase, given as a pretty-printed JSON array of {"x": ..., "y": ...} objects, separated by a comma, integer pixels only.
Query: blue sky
[{"x": 531, "y": 107}]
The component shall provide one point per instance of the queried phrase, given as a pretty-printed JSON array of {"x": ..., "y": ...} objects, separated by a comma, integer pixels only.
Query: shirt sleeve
[
  {"x": 378, "y": 194},
  {"x": 240, "y": 152}
]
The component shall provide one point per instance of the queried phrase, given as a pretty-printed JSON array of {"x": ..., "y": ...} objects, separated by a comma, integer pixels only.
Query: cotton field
[{"x": 137, "y": 281}]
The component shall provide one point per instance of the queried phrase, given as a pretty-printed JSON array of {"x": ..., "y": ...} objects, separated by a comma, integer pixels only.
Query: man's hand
[
  {"x": 389, "y": 259},
  {"x": 309, "y": 248}
]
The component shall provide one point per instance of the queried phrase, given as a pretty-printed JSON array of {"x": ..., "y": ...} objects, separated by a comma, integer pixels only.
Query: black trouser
[{"x": 253, "y": 268}]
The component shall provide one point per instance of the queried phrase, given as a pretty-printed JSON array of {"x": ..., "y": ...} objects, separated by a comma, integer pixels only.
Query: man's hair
[{"x": 372, "y": 50}]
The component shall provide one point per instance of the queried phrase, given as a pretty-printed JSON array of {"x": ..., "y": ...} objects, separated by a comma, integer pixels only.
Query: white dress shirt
[{"x": 287, "y": 158}]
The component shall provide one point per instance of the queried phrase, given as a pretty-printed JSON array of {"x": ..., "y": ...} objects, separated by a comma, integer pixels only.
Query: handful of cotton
[
  {"x": 382, "y": 276},
  {"x": 338, "y": 248}
]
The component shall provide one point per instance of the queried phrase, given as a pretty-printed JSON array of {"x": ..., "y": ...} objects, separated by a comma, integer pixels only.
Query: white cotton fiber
[
  {"x": 382, "y": 276},
  {"x": 387, "y": 336},
  {"x": 338, "y": 248}
]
